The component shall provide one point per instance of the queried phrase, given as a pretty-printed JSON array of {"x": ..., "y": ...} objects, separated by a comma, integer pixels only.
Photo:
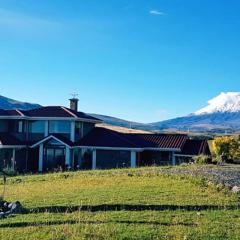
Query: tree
[
  {"x": 235, "y": 148},
  {"x": 227, "y": 147}
]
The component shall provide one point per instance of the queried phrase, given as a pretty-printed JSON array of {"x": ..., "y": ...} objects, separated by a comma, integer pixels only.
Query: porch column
[
  {"x": 173, "y": 159},
  {"x": 81, "y": 156},
  {"x": 67, "y": 157},
  {"x": 72, "y": 137},
  {"x": 13, "y": 158},
  {"x": 94, "y": 159},
  {"x": 40, "y": 158},
  {"x": 133, "y": 159}
]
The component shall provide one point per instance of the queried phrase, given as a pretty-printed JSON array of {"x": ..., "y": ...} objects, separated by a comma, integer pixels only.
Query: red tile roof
[
  {"x": 102, "y": 137},
  {"x": 174, "y": 141}
]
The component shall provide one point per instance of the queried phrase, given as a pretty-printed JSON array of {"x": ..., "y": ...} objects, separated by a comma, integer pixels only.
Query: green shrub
[
  {"x": 201, "y": 159},
  {"x": 10, "y": 171},
  {"x": 217, "y": 160}
]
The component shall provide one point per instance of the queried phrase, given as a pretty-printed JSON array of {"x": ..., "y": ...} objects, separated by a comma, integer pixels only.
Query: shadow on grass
[
  {"x": 72, "y": 222},
  {"x": 127, "y": 207}
]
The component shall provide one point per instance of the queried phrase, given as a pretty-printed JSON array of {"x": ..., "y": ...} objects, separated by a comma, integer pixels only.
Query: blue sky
[{"x": 142, "y": 60}]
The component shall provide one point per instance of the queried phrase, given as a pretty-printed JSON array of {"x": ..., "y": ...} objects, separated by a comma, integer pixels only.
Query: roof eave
[
  {"x": 48, "y": 138},
  {"x": 130, "y": 148},
  {"x": 12, "y": 146},
  {"x": 51, "y": 118}
]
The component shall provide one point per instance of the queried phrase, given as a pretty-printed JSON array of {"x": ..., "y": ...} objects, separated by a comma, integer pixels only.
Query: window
[
  {"x": 59, "y": 127},
  {"x": 78, "y": 128},
  {"x": 14, "y": 126},
  {"x": 20, "y": 126},
  {"x": 36, "y": 126}
]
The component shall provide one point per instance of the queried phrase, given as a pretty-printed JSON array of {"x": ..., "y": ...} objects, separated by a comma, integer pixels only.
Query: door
[{"x": 54, "y": 159}]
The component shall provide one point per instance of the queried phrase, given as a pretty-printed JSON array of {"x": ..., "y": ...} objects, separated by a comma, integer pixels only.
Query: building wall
[
  {"x": 3, "y": 126},
  {"x": 21, "y": 160},
  {"x": 32, "y": 130},
  {"x": 107, "y": 159},
  {"x": 87, "y": 127},
  {"x": 33, "y": 159},
  {"x": 32, "y": 137}
]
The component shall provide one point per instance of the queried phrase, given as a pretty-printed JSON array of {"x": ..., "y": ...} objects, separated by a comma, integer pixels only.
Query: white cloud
[
  {"x": 156, "y": 12},
  {"x": 19, "y": 21}
]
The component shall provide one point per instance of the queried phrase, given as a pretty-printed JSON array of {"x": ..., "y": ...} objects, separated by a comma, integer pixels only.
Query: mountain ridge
[
  {"x": 9, "y": 103},
  {"x": 221, "y": 114}
]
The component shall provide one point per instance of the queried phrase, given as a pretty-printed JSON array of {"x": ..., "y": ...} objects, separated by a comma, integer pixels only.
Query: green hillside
[{"x": 120, "y": 204}]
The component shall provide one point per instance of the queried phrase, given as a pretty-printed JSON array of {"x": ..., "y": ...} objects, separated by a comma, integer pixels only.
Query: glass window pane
[
  {"x": 59, "y": 127},
  {"x": 20, "y": 126},
  {"x": 36, "y": 126},
  {"x": 78, "y": 128}
]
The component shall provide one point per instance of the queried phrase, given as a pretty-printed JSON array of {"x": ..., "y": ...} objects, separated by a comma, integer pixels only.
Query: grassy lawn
[{"x": 120, "y": 204}]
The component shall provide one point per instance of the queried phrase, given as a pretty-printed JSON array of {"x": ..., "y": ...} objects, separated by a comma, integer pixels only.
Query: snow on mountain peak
[{"x": 224, "y": 102}]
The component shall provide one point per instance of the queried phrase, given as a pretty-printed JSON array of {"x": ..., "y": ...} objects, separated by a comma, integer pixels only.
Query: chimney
[{"x": 74, "y": 104}]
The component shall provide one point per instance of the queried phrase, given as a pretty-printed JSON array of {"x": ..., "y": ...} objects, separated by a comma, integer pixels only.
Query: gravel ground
[{"x": 228, "y": 175}]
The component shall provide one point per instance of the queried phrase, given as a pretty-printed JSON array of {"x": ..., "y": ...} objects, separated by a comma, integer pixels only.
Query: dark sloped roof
[
  {"x": 83, "y": 115},
  {"x": 14, "y": 112},
  {"x": 57, "y": 111},
  {"x": 171, "y": 141},
  {"x": 9, "y": 140},
  {"x": 3, "y": 112},
  {"x": 11, "y": 112},
  {"x": 50, "y": 111},
  {"x": 196, "y": 147},
  {"x": 102, "y": 137}
]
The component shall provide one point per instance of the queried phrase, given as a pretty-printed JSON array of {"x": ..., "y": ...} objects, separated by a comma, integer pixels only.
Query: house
[{"x": 54, "y": 137}]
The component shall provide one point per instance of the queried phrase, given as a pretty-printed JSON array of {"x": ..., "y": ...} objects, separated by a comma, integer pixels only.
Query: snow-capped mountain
[
  {"x": 222, "y": 113},
  {"x": 225, "y": 102}
]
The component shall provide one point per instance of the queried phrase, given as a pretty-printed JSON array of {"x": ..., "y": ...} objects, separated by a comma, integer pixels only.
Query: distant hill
[
  {"x": 123, "y": 123},
  {"x": 8, "y": 103},
  {"x": 220, "y": 115}
]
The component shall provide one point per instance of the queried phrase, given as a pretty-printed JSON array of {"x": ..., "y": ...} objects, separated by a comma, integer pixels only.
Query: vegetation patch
[{"x": 145, "y": 203}]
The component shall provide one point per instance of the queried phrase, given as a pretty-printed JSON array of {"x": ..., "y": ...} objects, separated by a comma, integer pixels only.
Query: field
[{"x": 120, "y": 204}]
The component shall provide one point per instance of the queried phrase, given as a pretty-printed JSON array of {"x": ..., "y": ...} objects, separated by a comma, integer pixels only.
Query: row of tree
[{"x": 226, "y": 147}]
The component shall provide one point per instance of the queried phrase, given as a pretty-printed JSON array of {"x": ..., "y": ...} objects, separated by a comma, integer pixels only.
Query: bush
[
  {"x": 10, "y": 171},
  {"x": 217, "y": 160},
  {"x": 227, "y": 147},
  {"x": 201, "y": 159}
]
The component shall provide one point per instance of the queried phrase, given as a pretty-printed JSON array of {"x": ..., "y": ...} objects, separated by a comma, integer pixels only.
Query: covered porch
[
  {"x": 156, "y": 158},
  {"x": 54, "y": 154},
  {"x": 106, "y": 158},
  {"x": 12, "y": 153},
  {"x": 109, "y": 158}
]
